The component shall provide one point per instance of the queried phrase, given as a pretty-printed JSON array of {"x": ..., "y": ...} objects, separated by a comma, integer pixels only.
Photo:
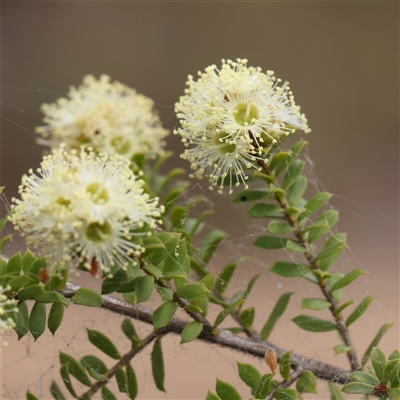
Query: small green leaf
[
  {"x": 190, "y": 290},
  {"x": 292, "y": 173},
  {"x": 337, "y": 294},
  {"x": 378, "y": 362},
  {"x": 31, "y": 396},
  {"x": 224, "y": 313},
  {"x": 290, "y": 269},
  {"x": 37, "y": 320},
  {"x": 279, "y": 228},
  {"x": 358, "y": 388},
  {"x": 297, "y": 190},
  {"x": 265, "y": 210},
  {"x": 335, "y": 391},
  {"x": 247, "y": 196},
  {"x": 315, "y": 304},
  {"x": 339, "y": 349},
  {"x": 394, "y": 393},
  {"x": 165, "y": 293},
  {"x": 95, "y": 364},
  {"x": 285, "y": 363},
  {"x": 332, "y": 250},
  {"x": 111, "y": 285},
  {"x": 212, "y": 396},
  {"x": 130, "y": 332},
  {"x": 131, "y": 382},
  {"x": 106, "y": 394},
  {"x": 191, "y": 332},
  {"x": 392, "y": 371},
  {"x": 264, "y": 387},
  {"x": 208, "y": 281},
  {"x": 102, "y": 342},
  {"x": 375, "y": 342},
  {"x": 56, "y": 391},
  {"x": 307, "y": 383},
  {"x": 152, "y": 270},
  {"x": 343, "y": 306},
  {"x": 312, "y": 324},
  {"x": 22, "y": 328},
  {"x": 365, "y": 378},
  {"x": 67, "y": 380},
  {"x": 226, "y": 391},
  {"x": 226, "y": 275},
  {"x": 157, "y": 364},
  {"x": 55, "y": 317},
  {"x": 285, "y": 394},
  {"x": 14, "y": 265},
  {"x": 210, "y": 244},
  {"x": 315, "y": 203},
  {"x": 178, "y": 215},
  {"x": 250, "y": 285},
  {"x": 276, "y": 313},
  {"x": 394, "y": 355},
  {"x": 249, "y": 375},
  {"x": 163, "y": 314},
  {"x": 87, "y": 297},
  {"x": 27, "y": 260},
  {"x": 74, "y": 368},
  {"x": 121, "y": 379},
  {"x": 247, "y": 317},
  {"x": 278, "y": 158},
  {"x": 144, "y": 287},
  {"x": 270, "y": 242},
  {"x": 37, "y": 265},
  {"x": 360, "y": 310},
  {"x": 347, "y": 279}
]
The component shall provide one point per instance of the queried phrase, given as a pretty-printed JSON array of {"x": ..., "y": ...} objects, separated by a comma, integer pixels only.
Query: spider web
[{"x": 27, "y": 364}]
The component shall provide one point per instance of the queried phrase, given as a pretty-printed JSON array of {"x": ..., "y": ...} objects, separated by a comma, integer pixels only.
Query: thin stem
[
  {"x": 125, "y": 360},
  {"x": 224, "y": 338},
  {"x": 344, "y": 333}
]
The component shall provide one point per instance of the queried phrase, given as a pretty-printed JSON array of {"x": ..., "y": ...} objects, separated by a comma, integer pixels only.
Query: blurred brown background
[{"x": 342, "y": 60}]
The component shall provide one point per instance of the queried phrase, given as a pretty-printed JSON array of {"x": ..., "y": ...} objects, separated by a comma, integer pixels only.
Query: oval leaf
[
  {"x": 103, "y": 343},
  {"x": 144, "y": 287},
  {"x": 56, "y": 391},
  {"x": 285, "y": 394},
  {"x": 74, "y": 368},
  {"x": 290, "y": 269},
  {"x": 378, "y": 362},
  {"x": 247, "y": 317},
  {"x": 163, "y": 314},
  {"x": 22, "y": 328},
  {"x": 265, "y": 210},
  {"x": 131, "y": 382},
  {"x": 191, "y": 332},
  {"x": 285, "y": 364},
  {"x": 276, "y": 313},
  {"x": 307, "y": 383},
  {"x": 360, "y": 310},
  {"x": 249, "y": 375},
  {"x": 106, "y": 394},
  {"x": 365, "y": 378},
  {"x": 358, "y": 388},
  {"x": 312, "y": 324},
  {"x": 87, "y": 297},
  {"x": 315, "y": 304},
  {"x": 55, "y": 317},
  {"x": 37, "y": 320},
  {"x": 226, "y": 391},
  {"x": 247, "y": 196},
  {"x": 347, "y": 279},
  {"x": 157, "y": 365}
]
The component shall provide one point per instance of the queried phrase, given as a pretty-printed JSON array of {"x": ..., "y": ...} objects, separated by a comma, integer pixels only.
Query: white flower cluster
[
  {"x": 85, "y": 206},
  {"x": 7, "y": 306},
  {"x": 230, "y": 117},
  {"x": 107, "y": 116}
]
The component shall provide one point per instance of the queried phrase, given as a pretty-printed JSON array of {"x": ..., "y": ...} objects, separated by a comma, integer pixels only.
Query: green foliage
[
  {"x": 249, "y": 375},
  {"x": 307, "y": 383},
  {"x": 226, "y": 391},
  {"x": 74, "y": 368},
  {"x": 312, "y": 324},
  {"x": 191, "y": 331},
  {"x": 226, "y": 274},
  {"x": 210, "y": 244},
  {"x": 276, "y": 313},
  {"x": 359, "y": 311},
  {"x": 290, "y": 269},
  {"x": 55, "y": 317},
  {"x": 87, "y": 297},
  {"x": 247, "y": 196},
  {"x": 163, "y": 314},
  {"x": 265, "y": 210},
  {"x": 130, "y": 332},
  {"x": 37, "y": 320},
  {"x": 315, "y": 304},
  {"x": 56, "y": 391},
  {"x": 103, "y": 343},
  {"x": 285, "y": 363},
  {"x": 131, "y": 382},
  {"x": 375, "y": 341},
  {"x": 157, "y": 363}
]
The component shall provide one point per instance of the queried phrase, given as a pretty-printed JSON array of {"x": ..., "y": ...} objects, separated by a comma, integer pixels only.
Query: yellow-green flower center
[
  {"x": 121, "y": 145},
  {"x": 99, "y": 193},
  {"x": 244, "y": 113},
  {"x": 97, "y": 233},
  {"x": 223, "y": 147},
  {"x": 63, "y": 202}
]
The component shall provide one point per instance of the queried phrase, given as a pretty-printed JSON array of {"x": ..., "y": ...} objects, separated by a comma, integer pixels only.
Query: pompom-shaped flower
[
  {"x": 107, "y": 116},
  {"x": 231, "y": 117},
  {"x": 85, "y": 206}
]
